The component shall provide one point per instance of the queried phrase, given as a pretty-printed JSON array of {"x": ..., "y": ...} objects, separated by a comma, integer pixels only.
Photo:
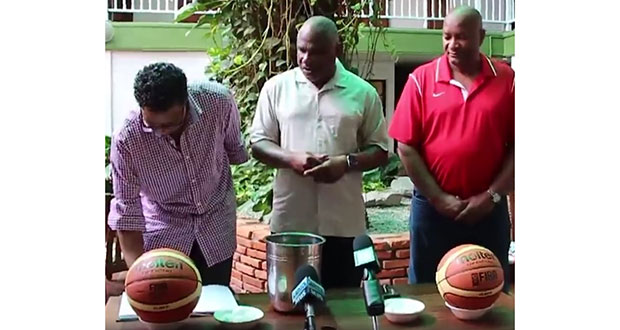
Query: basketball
[
  {"x": 469, "y": 277},
  {"x": 163, "y": 286}
]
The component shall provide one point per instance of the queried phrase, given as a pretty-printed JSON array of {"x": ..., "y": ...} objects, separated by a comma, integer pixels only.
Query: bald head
[
  {"x": 462, "y": 37},
  {"x": 317, "y": 48},
  {"x": 465, "y": 15},
  {"x": 320, "y": 27}
]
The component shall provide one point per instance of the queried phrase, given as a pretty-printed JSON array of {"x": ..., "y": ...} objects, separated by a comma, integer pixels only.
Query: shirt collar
[
  {"x": 443, "y": 72},
  {"x": 339, "y": 78}
]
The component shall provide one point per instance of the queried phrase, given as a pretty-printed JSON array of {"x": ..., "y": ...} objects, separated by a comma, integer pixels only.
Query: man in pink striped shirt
[{"x": 171, "y": 171}]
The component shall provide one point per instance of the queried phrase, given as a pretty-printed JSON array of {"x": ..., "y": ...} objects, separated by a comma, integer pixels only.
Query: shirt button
[
  {"x": 193, "y": 180},
  {"x": 187, "y": 157},
  {"x": 199, "y": 204}
]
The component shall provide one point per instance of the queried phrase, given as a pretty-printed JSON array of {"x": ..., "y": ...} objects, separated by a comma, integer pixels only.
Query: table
[{"x": 345, "y": 309}]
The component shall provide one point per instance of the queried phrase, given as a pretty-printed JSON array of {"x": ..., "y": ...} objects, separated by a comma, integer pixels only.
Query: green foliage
[
  {"x": 381, "y": 177},
  {"x": 252, "y": 182},
  {"x": 254, "y": 41}
]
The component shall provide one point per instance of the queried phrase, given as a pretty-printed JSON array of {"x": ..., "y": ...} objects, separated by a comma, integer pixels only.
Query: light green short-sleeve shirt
[{"x": 344, "y": 116}]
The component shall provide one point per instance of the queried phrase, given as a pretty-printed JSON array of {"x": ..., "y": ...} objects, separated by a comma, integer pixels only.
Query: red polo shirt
[{"x": 463, "y": 136}]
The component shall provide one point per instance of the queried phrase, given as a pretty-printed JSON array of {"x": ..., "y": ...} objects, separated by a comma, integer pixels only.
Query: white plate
[
  {"x": 468, "y": 314},
  {"x": 403, "y": 310},
  {"x": 241, "y": 317}
]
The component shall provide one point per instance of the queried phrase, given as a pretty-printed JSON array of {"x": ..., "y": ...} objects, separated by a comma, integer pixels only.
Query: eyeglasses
[{"x": 165, "y": 127}]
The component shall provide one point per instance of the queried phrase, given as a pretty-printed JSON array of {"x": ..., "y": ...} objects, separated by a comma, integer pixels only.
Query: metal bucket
[{"x": 285, "y": 253}]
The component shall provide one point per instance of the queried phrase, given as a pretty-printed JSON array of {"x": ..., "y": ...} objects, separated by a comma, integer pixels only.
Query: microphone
[
  {"x": 308, "y": 290},
  {"x": 365, "y": 256}
]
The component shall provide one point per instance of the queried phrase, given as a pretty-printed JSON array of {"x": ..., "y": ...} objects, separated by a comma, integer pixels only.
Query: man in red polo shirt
[{"x": 455, "y": 126}]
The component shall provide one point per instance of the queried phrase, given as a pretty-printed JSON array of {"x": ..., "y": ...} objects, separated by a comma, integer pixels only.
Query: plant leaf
[
  {"x": 238, "y": 60},
  {"x": 188, "y": 10},
  {"x": 271, "y": 42}
]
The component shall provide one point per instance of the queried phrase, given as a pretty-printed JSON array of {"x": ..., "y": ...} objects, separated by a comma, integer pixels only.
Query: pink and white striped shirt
[{"x": 178, "y": 195}]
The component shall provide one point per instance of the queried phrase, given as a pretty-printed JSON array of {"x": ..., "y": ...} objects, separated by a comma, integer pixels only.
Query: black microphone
[
  {"x": 365, "y": 256},
  {"x": 308, "y": 290}
]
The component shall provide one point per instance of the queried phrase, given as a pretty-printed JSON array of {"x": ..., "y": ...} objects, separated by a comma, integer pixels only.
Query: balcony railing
[
  {"x": 147, "y": 6},
  {"x": 496, "y": 12}
]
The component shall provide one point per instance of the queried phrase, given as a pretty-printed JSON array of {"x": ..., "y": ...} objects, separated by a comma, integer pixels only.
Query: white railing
[
  {"x": 148, "y": 6},
  {"x": 492, "y": 11}
]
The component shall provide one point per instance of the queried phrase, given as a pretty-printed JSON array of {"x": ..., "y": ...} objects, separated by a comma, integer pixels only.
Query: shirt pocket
[{"x": 342, "y": 130}]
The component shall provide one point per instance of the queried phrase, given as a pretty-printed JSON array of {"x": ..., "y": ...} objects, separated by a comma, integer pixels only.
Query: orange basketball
[
  {"x": 469, "y": 277},
  {"x": 163, "y": 286}
]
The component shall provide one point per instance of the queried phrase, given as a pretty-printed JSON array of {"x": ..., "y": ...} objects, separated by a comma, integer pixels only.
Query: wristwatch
[
  {"x": 495, "y": 197},
  {"x": 351, "y": 162}
]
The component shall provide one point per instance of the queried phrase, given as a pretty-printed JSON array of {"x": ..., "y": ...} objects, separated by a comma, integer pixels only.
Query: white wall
[
  {"x": 108, "y": 92},
  {"x": 125, "y": 65}
]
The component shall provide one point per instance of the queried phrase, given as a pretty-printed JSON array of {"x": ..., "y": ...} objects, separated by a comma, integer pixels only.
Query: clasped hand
[{"x": 322, "y": 168}]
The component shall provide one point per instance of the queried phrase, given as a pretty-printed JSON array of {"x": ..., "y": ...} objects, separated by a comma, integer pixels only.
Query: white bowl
[
  {"x": 403, "y": 310},
  {"x": 241, "y": 317},
  {"x": 468, "y": 314}
]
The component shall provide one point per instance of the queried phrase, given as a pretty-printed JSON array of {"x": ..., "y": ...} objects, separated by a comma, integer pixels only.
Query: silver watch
[{"x": 495, "y": 197}]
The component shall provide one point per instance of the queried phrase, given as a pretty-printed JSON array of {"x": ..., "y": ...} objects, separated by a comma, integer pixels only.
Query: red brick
[
  {"x": 381, "y": 246},
  {"x": 391, "y": 273},
  {"x": 384, "y": 255},
  {"x": 253, "y": 281},
  {"x": 244, "y": 242},
  {"x": 241, "y": 221},
  {"x": 404, "y": 253},
  {"x": 252, "y": 289},
  {"x": 236, "y": 274},
  {"x": 236, "y": 256},
  {"x": 260, "y": 234},
  {"x": 400, "y": 280},
  {"x": 244, "y": 231},
  {"x": 261, "y": 246},
  {"x": 237, "y": 289},
  {"x": 255, "y": 263},
  {"x": 261, "y": 274},
  {"x": 241, "y": 249},
  {"x": 244, "y": 268},
  {"x": 263, "y": 265},
  {"x": 236, "y": 282},
  {"x": 385, "y": 281},
  {"x": 256, "y": 254},
  {"x": 389, "y": 264},
  {"x": 400, "y": 243}
]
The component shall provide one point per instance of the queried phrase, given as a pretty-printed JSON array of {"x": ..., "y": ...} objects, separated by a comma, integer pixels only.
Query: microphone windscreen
[
  {"x": 306, "y": 271},
  {"x": 362, "y": 241}
]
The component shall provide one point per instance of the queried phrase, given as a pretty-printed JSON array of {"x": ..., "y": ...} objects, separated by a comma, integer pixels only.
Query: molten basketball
[
  {"x": 163, "y": 286},
  {"x": 469, "y": 277}
]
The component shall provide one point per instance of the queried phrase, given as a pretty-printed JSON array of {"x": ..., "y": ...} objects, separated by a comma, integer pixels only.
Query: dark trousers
[
  {"x": 337, "y": 264},
  {"x": 432, "y": 235},
  {"x": 216, "y": 274}
]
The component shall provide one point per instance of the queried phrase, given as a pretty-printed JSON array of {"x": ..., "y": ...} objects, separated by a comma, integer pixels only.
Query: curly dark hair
[{"x": 160, "y": 86}]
